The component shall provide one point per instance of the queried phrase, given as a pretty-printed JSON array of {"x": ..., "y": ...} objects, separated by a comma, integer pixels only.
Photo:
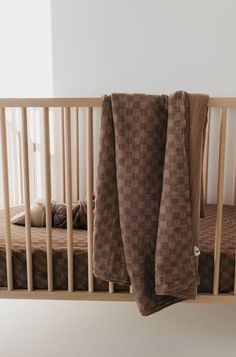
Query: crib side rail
[
  {"x": 89, "y": 103},
  {"x": 66, "y": 105}
]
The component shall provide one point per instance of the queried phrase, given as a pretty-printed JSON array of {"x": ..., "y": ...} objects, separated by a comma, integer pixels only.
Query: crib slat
[
  {"x": 235, "y": 272},
  {"x": 77, "y": 153},
  {"x": 47, "y": 170},
  {"x": 20, "y": 166},
  {"x": 220, "y": 188},
  {"x": 69, "y": 199},
  {"x": 63, "y": 173},
  {"x": 111, "y": 287},
  {"x": 206, "y": 155},
  {"x": 5, "y": 177},
  {"x": 235, "y": 185},
  {"x": 89, "y": 121},
  {"x": 27, "y": 198}
]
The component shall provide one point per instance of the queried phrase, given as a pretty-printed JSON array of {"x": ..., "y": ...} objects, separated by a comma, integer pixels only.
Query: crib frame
[{"x": 89, "y": 103}]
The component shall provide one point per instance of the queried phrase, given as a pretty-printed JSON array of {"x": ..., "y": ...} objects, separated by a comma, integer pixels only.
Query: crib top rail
[
  {"x": 222, "y": 102},
  {"x": 50, "y": 102},
  {"x": 88, "y": 102}
]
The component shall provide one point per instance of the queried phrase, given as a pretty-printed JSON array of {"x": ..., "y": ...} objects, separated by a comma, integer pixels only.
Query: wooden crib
[{"x": 66, "y": 105}]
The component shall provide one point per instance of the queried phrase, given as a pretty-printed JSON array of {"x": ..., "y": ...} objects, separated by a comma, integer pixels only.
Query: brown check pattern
[
  {"x": 175, "y": 266},
  {"x": 131, "y": 233}
]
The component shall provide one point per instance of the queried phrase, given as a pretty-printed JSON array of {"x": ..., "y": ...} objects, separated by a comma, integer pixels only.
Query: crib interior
[{"x": 54, "y": 145}]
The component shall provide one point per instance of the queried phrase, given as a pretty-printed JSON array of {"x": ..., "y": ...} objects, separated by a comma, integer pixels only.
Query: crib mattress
[
  {"x": 206, "y": 259},
  {"x": 228, "y": 246}
]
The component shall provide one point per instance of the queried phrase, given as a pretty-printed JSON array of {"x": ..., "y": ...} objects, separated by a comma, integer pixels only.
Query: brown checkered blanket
[{"x": 148, "y": 195}]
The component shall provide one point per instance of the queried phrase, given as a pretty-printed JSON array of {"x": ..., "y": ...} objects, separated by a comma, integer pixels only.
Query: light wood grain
[
  {"x": 63, "y": 170},
  {"x": 89, "y": 102},
  {"x": 6, "y": 198},
  {"x": 26, "y": 185},
  {"x": 19, "y": 143},
  {"x": 50, "y": 102},
  {"x": 103, "y": 296},
  {"x": 77, "y": 183},
  {"x": 47, "y": 177},
  {"x": 111, "y": 287},
  {"x": 235, "y": 272},
  {"x": 206, "y": 156},
  {"x": 69, "y": 200},
  {"x": 89, "y": 122},
  {"x": 220, "y": 187}
]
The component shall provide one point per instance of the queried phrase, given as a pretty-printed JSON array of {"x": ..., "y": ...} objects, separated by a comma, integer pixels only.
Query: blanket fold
[{"x": 148, "y": 195}]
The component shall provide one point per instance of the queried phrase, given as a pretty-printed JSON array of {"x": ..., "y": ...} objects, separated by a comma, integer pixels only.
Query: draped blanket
[{"x": 148, "y": 195}]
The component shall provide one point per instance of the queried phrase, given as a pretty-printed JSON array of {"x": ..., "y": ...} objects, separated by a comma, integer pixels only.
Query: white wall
[
  {"x": 26, "y": 57},
  {"x": 25, "y": 61},
  {"x": 143, "y": 46},
  {"x": 148, "y": 46},
  {"x": 151, "y": 46}
]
